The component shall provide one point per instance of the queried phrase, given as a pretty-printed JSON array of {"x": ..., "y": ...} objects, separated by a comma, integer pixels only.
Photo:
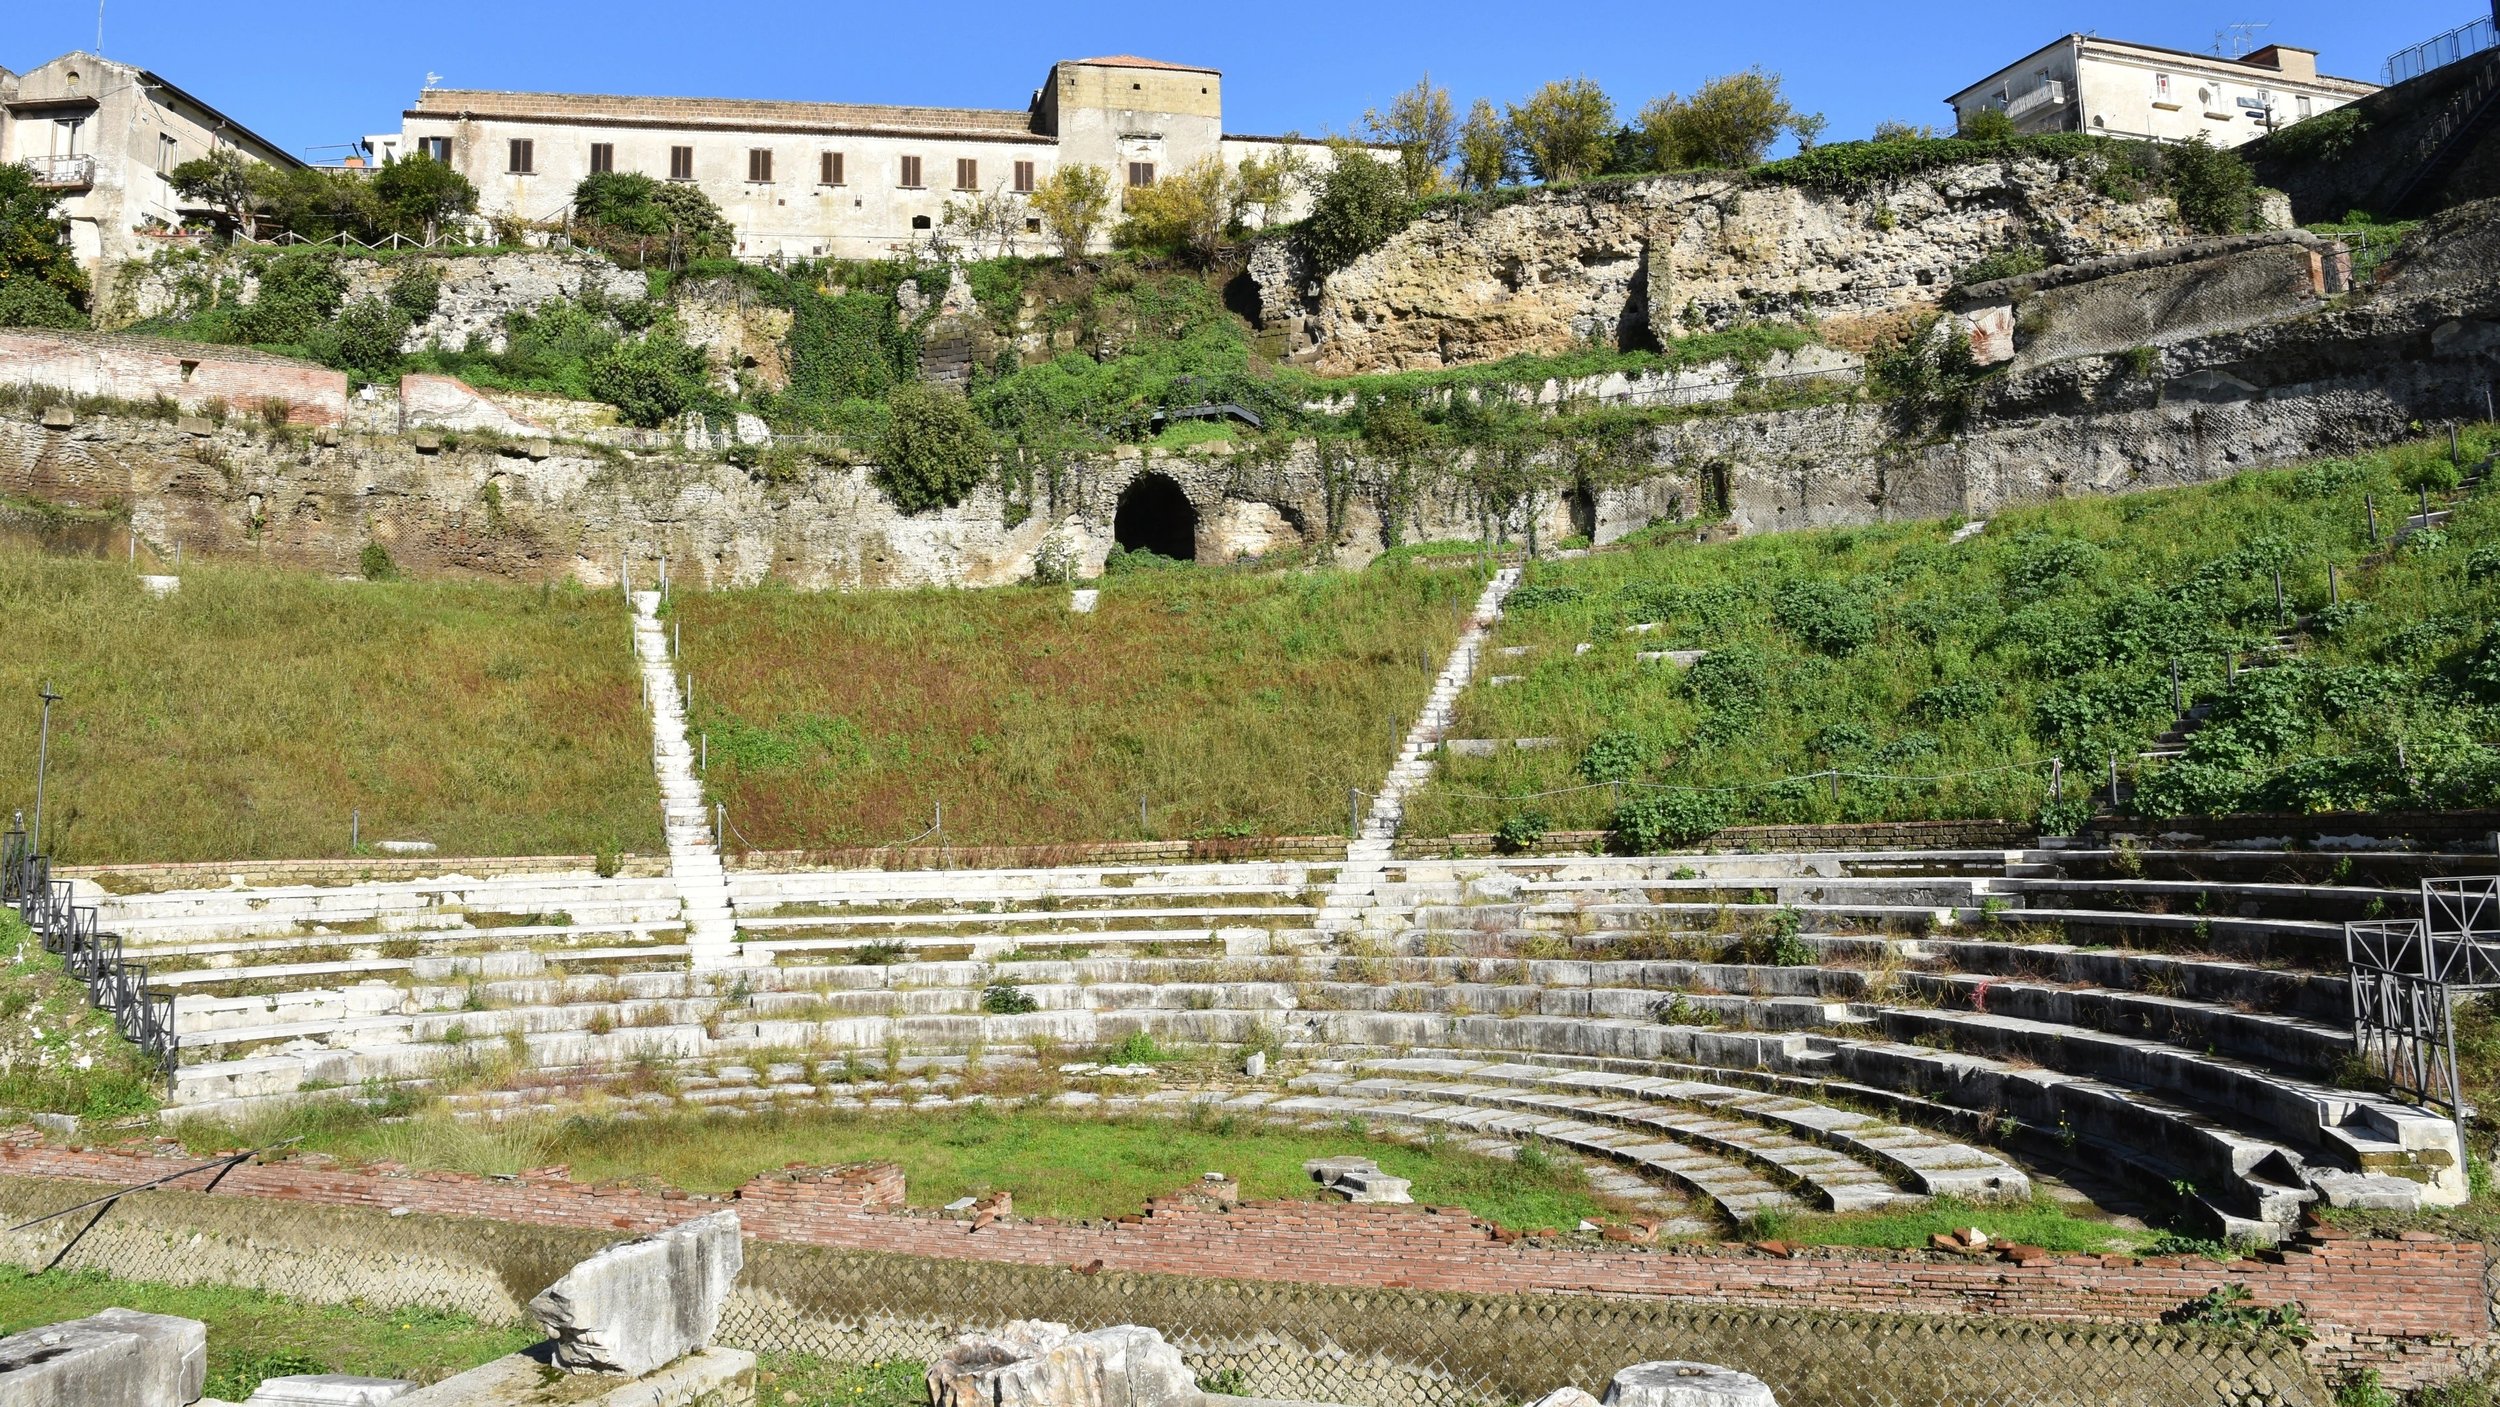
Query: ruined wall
[
  {"x": 1645, "y": 262},
  {"x": 479, "y": 291},
  {"x": 83, "y": 364}
]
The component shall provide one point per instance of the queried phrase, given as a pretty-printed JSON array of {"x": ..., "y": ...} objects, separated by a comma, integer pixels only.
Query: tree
[
  {"x": 40, "y": 282},
  {"x": 1362, "y": 202},
  {"x": 994, "y": 219},
  {"x": 1989, "y": 124},
  {"x": 935, "y": 451},
  {"x": 1423, "y": 126},
  {"x": 1563, "y": 132},
  {"x": 419, "y": 193},
  {"x": 1729, "y": 125},
  {"x": 1266, "y": 182},
  {"x": 2216, "y": 190},
  {"x": 223, "y": 179},
  {"x": 1484, "y": 152},
  {"x": 1072, "y": 204},
  {"x": 1893, "y": 129},
  {"x": 626, "y": 211},
  {"x": 1187, "y": 210}
]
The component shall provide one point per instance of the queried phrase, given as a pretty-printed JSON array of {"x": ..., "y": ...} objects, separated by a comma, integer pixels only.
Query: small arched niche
[{"x": 1155, "y": 516}]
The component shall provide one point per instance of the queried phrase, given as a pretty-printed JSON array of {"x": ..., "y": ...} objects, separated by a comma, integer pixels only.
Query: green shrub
[
  {"x": 935, "y": 451},
  {"x": 1521, "y": 831},
  {"x": 26, "y": 302},
  {"x": 648, "y": 381},
  {"x": 375, "y": 562},
  {"x": 299, "y": 295},
  {"x": 1617, "y": 755},
  {"x": 365, "y": 338},
  {"x": 1669, "y": 820},
  {"x": 2216, "y": 190},
  {"x": 1360, "y": 205},
  {"x": 1826, "y": 615},
  {"x": 417, "y": 292},
  {"x": 1536, "y": 598},
  {"x": 2067, "y": 817},
  {"x": 1955, "y": 701},
  {"x": 1007, "y": 999},
  {"x": 2005, "y": 263}
]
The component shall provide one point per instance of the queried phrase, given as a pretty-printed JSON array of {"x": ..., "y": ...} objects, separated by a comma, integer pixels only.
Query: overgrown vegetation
[
  {"x": 1233, "y": 704},
  {"x": 41, "y": 284},
  {"x": 1939, "y": 678},
  {"x": 57, "y": 1056},
  {"x": 251, "y": 713}
]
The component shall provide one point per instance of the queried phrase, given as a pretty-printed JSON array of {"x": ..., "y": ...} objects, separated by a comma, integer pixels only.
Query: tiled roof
[
  {"x": 1133, "y": 61},
  {"x": 725, "y": 112}
]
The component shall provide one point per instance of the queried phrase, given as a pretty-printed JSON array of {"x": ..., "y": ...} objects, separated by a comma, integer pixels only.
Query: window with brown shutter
[
  {"x": 602, "y": 157},
  {"x": 759, "y": 164},
  {"x": 829, "y": 169},
  {"x": 967, "y": 174},
  {"x": 681, "y": 163},
  {"x": 1024, "y": 178},
  {"x": 911, "y": 173},
  {"x": 1141, "y": 173},
  {"x": 524, "y": 157}
]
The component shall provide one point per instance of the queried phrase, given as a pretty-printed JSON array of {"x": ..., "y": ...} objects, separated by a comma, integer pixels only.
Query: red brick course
[
  {"x": 135, "y": 369},
  {"x": 2378, "y": 1301}
]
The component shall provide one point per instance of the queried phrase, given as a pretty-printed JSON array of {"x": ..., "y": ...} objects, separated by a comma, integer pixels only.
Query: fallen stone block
[
  {"x": 1035, "y": 1363},
  {"x": 1687, "y": 1385},
  {"x": 714, "y": 1377},
  {"x": 642, "y": 1304},
  {"x": 327, "y": 1390},
  {"x": 116, "y": 1358},
  {"x": 1360, "y": 1180}
]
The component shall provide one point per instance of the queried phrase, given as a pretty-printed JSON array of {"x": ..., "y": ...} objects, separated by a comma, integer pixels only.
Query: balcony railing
[
  {"x": 61, "y": 173},
  {"x": 2049, "y": 94}
]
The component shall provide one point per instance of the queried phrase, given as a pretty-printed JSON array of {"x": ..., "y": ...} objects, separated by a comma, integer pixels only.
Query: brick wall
[
  {"x": 140, "y": 369},
  {"x": 2408, "y": 1306}
]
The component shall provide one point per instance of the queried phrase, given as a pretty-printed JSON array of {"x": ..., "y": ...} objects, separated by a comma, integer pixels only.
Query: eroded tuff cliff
[{"x": 1642, "y": 263}]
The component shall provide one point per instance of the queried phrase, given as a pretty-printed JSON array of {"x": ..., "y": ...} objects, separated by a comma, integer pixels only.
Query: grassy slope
[
  {"x": 58, "y": 1055},
  {"x": 246, "y": 716},
  {"x": 2055, "y": 627},
  {"x": 1236, "y": 703}
]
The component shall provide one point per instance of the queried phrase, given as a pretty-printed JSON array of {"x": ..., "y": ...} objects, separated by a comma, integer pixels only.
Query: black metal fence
[{"x": 93, "y": 958}]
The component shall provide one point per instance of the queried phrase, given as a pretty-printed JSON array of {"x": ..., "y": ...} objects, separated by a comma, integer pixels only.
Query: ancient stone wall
[
  {"x": 87, "y": 364},
  {"x": 2412, "y": 1307}
]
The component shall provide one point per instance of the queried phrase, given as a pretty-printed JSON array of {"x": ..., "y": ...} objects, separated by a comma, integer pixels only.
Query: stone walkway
[
  {"x": 693, "y": 860},
  {"x": 1369, "y": 854}
]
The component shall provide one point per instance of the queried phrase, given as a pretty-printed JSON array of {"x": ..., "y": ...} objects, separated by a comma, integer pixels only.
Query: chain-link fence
[{"x": 1367, "y": 1347}]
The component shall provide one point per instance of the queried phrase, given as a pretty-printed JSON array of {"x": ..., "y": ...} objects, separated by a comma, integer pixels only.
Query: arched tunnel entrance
[{"x": 1155, "y": 516}]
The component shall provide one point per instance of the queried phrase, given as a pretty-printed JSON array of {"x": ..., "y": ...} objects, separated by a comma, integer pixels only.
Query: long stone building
[
  {"x": 2084, "y": 83},
  {"x": 104, "y": 137},
  {"x": 841, "y": 180}
]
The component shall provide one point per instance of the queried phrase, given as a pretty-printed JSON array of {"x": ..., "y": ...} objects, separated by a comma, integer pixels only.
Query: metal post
[
  {"x": 2334, "y": 588},
  {"x": 1835, "y": 780},
  {"x": 703, "y": 763},
  {"x": 355, "y": 830},
  {"x": 43, "y": 762},
  {"x": 1142, "y": 828},
  {"x": 676, "y": 637},
  {"x": 1354, "y": 812},
  {"x": 2278, "y": 596},
  {"x": 2057, "y": 779},
  {"x": 2370, "y": 501},
  {"x": 2178, "y": 700},
  {"x": 2113, "y": 779}
]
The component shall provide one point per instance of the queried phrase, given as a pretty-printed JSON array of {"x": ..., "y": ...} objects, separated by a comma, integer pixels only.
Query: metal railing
[
  {"x": 2405, "y": 977},
  {"x": 2462, "y": 42},
  {"x": 92, "y": 958},
  {"x": 2051, "y": 93},
  {"x": 61, "y": 172}
]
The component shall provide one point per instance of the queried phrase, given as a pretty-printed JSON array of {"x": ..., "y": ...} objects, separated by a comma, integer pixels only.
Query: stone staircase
[
  {"x": 1344, "y": 908},
  {"x": 693, "y": 854}
]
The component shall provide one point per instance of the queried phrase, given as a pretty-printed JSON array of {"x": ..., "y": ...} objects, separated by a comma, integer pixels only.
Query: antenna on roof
[
  {"x": 2234, "y": 41},
  {"x": 99, "y": 28}
]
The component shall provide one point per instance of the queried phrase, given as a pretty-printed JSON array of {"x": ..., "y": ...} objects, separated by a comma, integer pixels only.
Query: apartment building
[
  {"x": 104, "y": 137},
  {"x": 842, "y": 180},
  {"x": 2083, "y": 83}
]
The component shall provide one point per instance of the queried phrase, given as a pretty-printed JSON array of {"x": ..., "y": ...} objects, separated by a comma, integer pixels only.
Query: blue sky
[{"x": 308, "y": 74}]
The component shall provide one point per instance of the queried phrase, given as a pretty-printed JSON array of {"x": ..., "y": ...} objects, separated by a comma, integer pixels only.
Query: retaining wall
[
  {"x": 2412, "y": 1308},
  {"x": 139, "y": 368}
]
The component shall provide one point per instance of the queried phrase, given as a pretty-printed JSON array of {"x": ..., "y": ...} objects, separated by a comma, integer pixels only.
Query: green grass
[
  {"x": 249, "y": 714},
  {"x": 1892, "y": 654},
  {"x": 2040, "y": 1222},
  {"x": 1236, "y": 704},
  {"x": 1056, "y": 1165},
  {"x": 252, "y": 1335},
  {"x": 57, "y": 1055}
]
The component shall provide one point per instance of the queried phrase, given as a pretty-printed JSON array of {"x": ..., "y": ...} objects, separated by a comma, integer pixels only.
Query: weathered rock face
[
  {"x": 1033, "y": 1363},
  {"x": 1645, "y": 263},
  {"x": 643, "y": 1304},
  {"x": 1687, "y": 1385},
  {"x": 740, "y": 338}
]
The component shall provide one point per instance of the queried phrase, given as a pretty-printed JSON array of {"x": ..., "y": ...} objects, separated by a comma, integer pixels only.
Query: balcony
[
  {"x": 2048, "y": 95},
  {"x": 62, "y": 173}
]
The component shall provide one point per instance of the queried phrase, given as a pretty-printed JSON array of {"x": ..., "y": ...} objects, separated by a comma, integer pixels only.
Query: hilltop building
[
  {"x": 844, "y": 180},
  {"x": 104, "y": 137},
  {"x": 2110, "y": 89}
]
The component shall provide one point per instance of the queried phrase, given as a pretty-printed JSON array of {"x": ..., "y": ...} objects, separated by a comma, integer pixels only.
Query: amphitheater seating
[{"x": 1726, "y": 1034}]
